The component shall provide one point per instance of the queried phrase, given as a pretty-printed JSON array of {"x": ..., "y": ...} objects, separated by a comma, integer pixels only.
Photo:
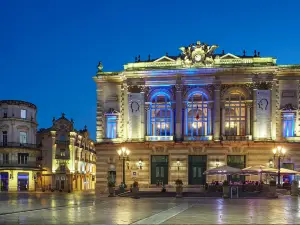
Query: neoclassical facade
[
  {"x": 69, "y": 157},
  {"x": 20, "y": 156},
  {"x": 181, "y": 115}
]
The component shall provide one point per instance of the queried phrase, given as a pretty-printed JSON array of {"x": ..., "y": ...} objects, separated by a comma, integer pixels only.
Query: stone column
[
  {"x": 254, "y": 118},
  {"x": 147, "y": 118},
  {"x": 222, "y": 108},
  {"x": 209, "y": 116},
  {"x": 248, "y": 117},
  {"x": 178, "y": 112},
  {"x": 273, "y": 110},
  {"x": 143, "y": 114},
  {"x": 216, "y": 114}
]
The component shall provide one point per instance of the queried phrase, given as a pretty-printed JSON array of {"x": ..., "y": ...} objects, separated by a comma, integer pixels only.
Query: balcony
[
  {"x": 159, "y": 138},
  {"x": 18, "y": 145},
  {"x": 15, "y": 163},
  {"x": 63, "y": 157},
  {"x": 198, "y": 138},
  {"x": 236, "y": 138},
  {"x": 62, "y": 142}
]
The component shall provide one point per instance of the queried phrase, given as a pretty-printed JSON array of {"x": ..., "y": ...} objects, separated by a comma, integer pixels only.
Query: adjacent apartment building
[
  {"x": 69, "y": 157},
  {"x": 181, "y": 115},
  {"x": 20, "y": 156}
]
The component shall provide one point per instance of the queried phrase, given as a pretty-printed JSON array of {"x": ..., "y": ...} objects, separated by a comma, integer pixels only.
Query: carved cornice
[
  {"x": 134, "y": 88},
  {"x": 17, "y": 102}
]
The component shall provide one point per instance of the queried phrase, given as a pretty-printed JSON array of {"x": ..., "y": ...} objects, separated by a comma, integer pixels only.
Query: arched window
[
  {"x": 160, "y": 116},
  {"x": 235, "y": 114},
  {"x": 197, "y": 115}
]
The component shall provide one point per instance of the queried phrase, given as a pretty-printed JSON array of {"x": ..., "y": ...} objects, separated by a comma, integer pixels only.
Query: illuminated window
[
  {"x": 235, "y": 115},
  {"x": 23, "y": 137},
  {"x": 111, "y": 126},
  {"x": 23, "y": 113},
  {"x": 197, "y": 116},
  {"x": 160, "y": 116},
  {"x": 63, "y": 152},
  {"x": 288, "y": 125}
]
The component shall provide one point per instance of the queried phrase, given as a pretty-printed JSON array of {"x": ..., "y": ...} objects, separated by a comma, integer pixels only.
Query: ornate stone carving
[
  {"x": 263, "y": 85},
  {"x": 288, "y": 107},
  {"x": 178, "y": 87},
  {"x": 249, "y": 104},
  {"x": 246, "y": 86},
  {"x": 199, "y": 54},
  {"x": 209, "y": 88}
]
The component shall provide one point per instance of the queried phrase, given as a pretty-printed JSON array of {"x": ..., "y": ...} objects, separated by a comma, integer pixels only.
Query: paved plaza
[{"x": 87, "y": 208}]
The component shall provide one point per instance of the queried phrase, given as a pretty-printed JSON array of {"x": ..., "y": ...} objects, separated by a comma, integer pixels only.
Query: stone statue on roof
[
  {"x": 199, "y": 54},
  {"x": 100, "y": 67}
]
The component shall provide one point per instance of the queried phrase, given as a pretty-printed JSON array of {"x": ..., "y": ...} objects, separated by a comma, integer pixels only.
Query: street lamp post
[
  {"x": 279, "y": 152},
  {"x": 123, "y": 155}
]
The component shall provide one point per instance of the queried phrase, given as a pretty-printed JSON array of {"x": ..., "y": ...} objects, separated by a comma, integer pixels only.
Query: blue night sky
[{"x": 49, "y": 50}]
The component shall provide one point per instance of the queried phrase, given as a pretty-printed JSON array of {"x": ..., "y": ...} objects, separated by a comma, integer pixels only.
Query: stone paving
[{"x": 88, "y": 208}]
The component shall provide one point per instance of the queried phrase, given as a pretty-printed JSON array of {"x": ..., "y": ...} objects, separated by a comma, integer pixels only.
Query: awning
[{"x": 226, "y": 170}]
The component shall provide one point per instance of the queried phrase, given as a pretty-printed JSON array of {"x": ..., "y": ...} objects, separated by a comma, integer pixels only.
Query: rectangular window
[
  {"x": 22, "y": 158},
  {"x": 4, "y": 113},
  {"x": 4, "y": 138},
  {"x": 5, "y": 158},
  {"x": 23, "y": 137},
  {"x": 288, "y": 125},
  {"x": 23, "y": 113},
  {"x": 111, "y": 127}
]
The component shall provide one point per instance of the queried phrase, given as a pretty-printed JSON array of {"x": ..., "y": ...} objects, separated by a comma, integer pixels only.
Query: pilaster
[
  {"x": 100, "y": 114},
  {"x": 178, "y": 111},
  {"x": 254, "y": 118},
  {"x": 53, "y": 145},
  {"x": 274, "y": 106},
  {"x": 216, "y": 114}
]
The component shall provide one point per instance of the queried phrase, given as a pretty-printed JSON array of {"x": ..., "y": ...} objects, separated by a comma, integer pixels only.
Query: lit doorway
[{"x": 23, "y": 181}]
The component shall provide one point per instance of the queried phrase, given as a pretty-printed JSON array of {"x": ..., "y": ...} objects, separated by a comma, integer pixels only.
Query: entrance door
[
  {"x": 62, "y": 185},
  {"x": 159, "y": 169},
  {"x": 23, "y": 181},
  {"x": 197, "y": 166},
  {"x": 237, "y": 161},
  {"x": 4, "y": 181}
]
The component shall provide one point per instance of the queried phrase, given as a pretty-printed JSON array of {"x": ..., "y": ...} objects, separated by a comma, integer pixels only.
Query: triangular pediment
[
  {"x": 229, "y": 56},
  {"x": 164, "y": 59}
]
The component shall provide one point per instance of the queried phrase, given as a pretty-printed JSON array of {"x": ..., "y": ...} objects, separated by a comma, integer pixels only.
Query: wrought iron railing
[
  {"x": 19, "y": 145},
  {"x": 65, "y": 142},
  {"x": 65, "y": 157},
  {"x": 16, "y": 163},
  {"x": 235, "y": 138}
]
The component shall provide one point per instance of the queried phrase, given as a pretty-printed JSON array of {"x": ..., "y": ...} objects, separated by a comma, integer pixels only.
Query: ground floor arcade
[
  {"x": 68, "y": 182},
  {"x": 18, "y": 180},
  {"x": 156, "y": 163}
]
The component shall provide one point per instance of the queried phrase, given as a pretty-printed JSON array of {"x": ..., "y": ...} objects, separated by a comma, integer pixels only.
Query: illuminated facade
[
  {"x": 20, "y": 157},
  {"x": 69, "y": 157},
  {"x": 182, "y": 115}
]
